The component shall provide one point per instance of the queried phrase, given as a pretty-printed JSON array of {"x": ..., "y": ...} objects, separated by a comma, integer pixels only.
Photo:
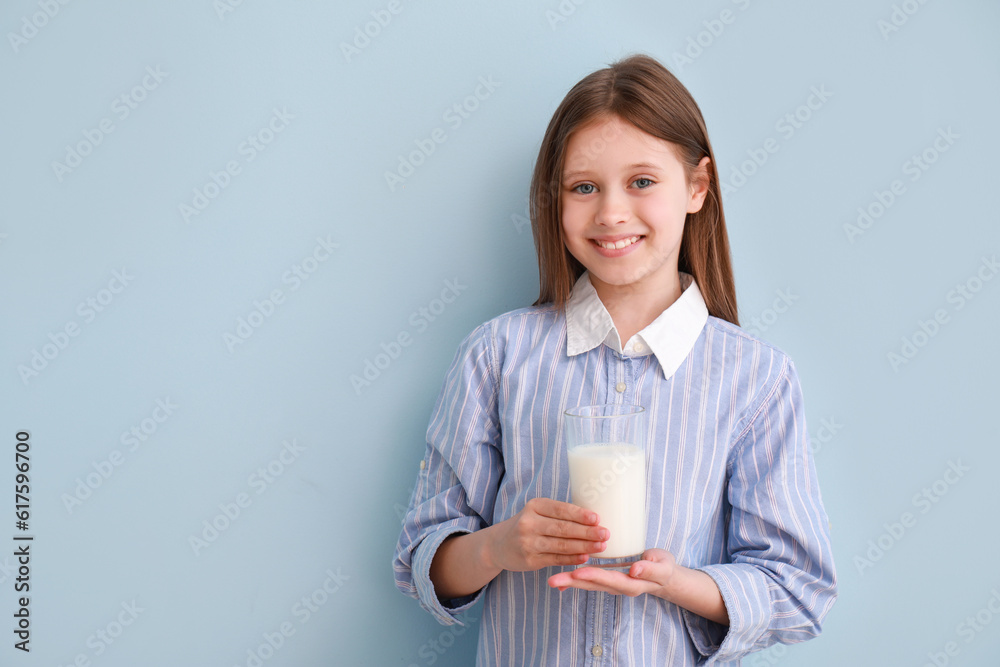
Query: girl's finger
[
  {"x": 557, "y": 509},
  {"x": 557, "y": 546},
  {"x": 655, "y": 566},
  {"x": 564, "y": 559},
  {"x": 594, "y": 579},
  {"x": 656, "y": 555},
  {"x": 574, "y": 531}
]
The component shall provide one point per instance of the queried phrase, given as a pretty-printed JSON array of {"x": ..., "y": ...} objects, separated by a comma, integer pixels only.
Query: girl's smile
[{"x": 617, "y": 246}]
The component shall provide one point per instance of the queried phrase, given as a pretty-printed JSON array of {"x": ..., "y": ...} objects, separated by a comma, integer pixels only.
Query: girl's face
[{"x": 624, "y": 198}]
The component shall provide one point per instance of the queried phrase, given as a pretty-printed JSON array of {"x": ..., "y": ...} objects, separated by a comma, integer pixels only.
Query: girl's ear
[{"x": 700, "y": 180}]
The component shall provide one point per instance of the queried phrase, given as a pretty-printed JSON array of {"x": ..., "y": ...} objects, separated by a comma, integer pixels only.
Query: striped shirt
[{"x": 732, "y": 487}]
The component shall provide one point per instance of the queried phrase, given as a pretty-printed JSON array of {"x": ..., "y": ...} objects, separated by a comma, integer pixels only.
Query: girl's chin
[
  {"x": 631, "y": 278},
  {"x": 616, "y": 279}
]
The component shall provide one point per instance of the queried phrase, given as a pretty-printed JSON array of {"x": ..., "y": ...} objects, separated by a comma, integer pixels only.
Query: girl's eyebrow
[
  {"x": 637, "y": 165},
  {"x": 643, "y": 165}
]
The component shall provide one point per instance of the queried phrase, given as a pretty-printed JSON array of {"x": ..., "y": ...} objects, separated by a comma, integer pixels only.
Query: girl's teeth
[{"x": 618, "y": 245}]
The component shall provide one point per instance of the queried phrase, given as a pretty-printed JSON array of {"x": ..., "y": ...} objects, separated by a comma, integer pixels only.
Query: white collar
[{"x": 669, "y": 337}]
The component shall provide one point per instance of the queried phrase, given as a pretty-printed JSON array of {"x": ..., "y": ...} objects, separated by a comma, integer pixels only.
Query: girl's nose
[{"x": 613, "y": 209}]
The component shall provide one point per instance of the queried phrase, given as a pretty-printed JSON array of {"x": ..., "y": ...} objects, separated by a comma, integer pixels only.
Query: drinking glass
[{"x": 606, "y": 447}]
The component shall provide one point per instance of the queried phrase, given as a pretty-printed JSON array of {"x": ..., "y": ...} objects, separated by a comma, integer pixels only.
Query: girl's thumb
[
  {"x": 646, "y": 569},
  {"x": 655, "y": 555}
]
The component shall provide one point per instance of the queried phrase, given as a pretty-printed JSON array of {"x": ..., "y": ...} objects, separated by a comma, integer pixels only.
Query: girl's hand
[
  {"x": 546, "y": 532},
  {"x": 652, "y": 574}
]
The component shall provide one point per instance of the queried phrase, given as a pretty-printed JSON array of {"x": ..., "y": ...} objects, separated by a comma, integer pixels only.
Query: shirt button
[
  {"x": 620, "y": 387},
  {"x": 639, "y": 347},
  {"x": 597, "y": 651}
]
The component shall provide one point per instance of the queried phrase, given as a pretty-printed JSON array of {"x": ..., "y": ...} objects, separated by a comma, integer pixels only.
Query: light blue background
[{"x": 459, "y": 217}]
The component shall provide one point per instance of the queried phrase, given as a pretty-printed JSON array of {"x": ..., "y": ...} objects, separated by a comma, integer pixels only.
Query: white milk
[{"x": 610, "y": 479}]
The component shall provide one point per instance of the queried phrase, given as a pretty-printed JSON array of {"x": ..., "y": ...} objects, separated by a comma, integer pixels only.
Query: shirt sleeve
[
  {"x": 780, "y": 581},
  {"x": 459, "y": 476}
]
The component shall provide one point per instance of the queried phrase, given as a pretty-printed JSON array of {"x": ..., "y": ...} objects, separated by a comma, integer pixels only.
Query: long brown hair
[{"x": 642, "y": 92}]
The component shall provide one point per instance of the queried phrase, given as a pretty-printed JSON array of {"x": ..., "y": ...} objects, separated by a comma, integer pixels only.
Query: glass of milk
[{"x": 606, "y": 447}]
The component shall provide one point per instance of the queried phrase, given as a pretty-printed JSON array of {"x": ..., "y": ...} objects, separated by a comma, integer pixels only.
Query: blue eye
[
  {"x": 640, "y": 181},
  {"x": 584, "y": 185}
]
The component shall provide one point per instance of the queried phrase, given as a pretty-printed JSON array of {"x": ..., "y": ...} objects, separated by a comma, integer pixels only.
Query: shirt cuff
[
  {"x": 421, "y": 567},
  {"x": 745, "y": 592}
]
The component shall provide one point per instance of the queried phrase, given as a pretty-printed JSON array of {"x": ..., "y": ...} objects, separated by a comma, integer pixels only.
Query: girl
[{"x": 637, "y": 306}]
